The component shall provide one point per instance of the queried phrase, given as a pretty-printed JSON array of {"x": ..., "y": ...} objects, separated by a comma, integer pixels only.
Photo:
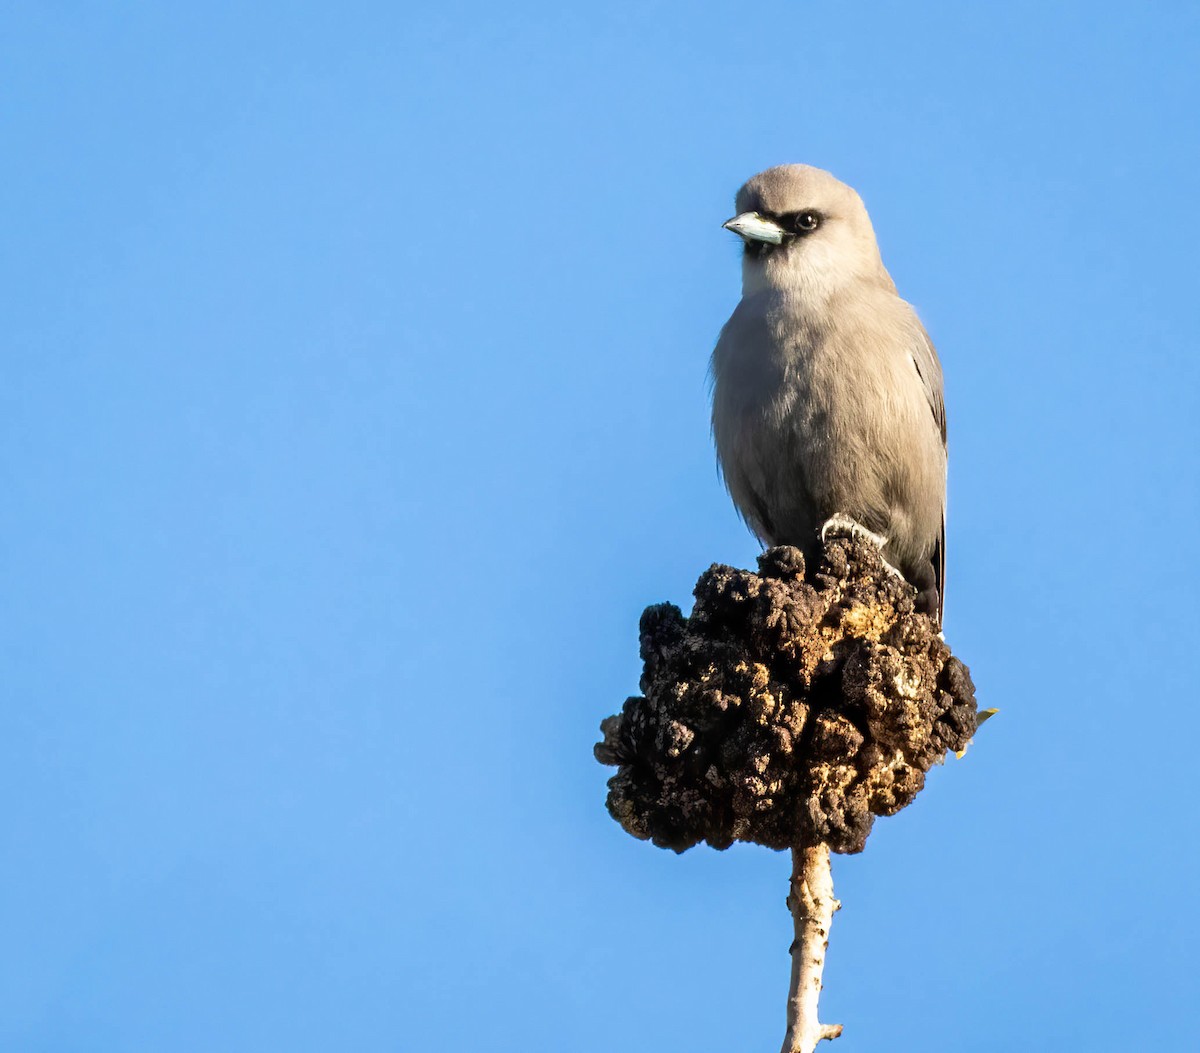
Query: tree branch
[
  {"x": 811, "y": 902},
  {"x": 792, "y": 707}
]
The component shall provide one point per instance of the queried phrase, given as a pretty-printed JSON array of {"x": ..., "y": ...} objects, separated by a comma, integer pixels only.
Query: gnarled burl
[{"x": 791, "y": 708}]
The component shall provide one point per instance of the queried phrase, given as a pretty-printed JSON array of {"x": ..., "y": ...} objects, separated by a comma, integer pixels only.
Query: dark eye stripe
[
  {"x": 791, "y": 223},
  {"x": 799, "y": 223}
]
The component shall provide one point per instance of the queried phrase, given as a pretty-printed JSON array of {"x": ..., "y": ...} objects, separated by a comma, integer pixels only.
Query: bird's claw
[{"x": 840, "y": 523}]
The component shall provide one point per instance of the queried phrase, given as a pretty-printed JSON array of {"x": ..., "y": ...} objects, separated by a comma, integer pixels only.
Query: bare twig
[{"x": 811, "y": 902}]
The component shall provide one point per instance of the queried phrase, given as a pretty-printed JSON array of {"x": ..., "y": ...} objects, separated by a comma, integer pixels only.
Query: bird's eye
[{"x": 807, "y": 222}]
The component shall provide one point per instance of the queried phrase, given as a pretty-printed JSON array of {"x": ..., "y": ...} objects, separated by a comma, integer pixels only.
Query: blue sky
[{"x": 354, "y": 405}]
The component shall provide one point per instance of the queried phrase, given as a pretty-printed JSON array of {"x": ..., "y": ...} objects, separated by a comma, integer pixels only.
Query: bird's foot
[{"x": 840, "y": 523}]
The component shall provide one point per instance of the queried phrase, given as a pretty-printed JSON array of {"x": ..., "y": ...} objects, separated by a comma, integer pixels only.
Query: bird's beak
[{"x": 753, "y": 227}]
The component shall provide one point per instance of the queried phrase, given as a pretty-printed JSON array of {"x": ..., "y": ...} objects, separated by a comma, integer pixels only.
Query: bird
[{"x": 827, "y": 393}]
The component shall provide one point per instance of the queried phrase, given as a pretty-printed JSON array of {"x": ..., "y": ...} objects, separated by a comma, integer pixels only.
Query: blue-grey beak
[{"x": 753, "y": 227}]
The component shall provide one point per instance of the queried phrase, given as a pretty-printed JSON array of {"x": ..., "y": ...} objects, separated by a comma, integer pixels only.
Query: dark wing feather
[{"x": 929, "y": 369}]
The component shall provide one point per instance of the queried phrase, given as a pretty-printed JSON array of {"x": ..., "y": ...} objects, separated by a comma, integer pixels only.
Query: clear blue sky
[{"x": 354, "y": 405}]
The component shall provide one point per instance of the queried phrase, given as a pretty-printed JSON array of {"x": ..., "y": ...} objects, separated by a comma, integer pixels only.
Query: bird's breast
[{"x": 817, "y": 415}]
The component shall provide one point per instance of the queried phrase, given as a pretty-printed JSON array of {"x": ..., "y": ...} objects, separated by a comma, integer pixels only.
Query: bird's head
[{"x": 805, "y": 232}]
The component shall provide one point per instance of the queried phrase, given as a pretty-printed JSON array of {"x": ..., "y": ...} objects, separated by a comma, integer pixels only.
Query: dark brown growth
[{"x": 790, "y": 708}]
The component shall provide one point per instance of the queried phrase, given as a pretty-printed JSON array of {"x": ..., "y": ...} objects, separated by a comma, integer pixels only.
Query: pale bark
[{"x": 811, "y": 902}]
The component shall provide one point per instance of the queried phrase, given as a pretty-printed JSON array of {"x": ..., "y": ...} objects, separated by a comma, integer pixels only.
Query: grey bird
[{"x": 827, "y": 398}]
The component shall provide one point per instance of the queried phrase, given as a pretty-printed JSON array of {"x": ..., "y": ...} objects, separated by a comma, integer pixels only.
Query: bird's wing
[{"x": 929, "y": 369}]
